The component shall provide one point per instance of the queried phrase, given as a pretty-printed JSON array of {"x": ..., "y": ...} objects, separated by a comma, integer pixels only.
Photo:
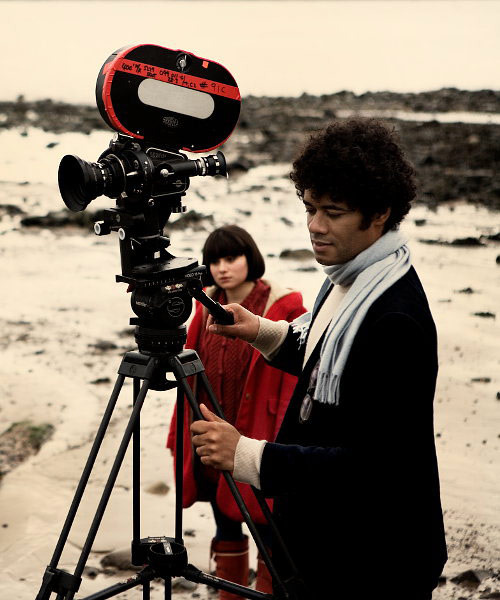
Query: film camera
[{"x": 159, "y": 102}]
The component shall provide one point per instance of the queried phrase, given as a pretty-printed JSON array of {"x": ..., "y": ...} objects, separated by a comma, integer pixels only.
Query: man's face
[{"x": 336, "y": 230}]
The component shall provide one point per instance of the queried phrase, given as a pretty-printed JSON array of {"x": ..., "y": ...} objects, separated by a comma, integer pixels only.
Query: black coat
[{"x": 356, "y": 488}]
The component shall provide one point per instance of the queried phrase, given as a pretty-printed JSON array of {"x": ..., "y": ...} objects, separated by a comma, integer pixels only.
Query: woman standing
[{"x": 253, "y": 395}]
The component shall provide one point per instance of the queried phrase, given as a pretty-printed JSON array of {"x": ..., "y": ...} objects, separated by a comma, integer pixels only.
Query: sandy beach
[{"x": 65, "y": 327}]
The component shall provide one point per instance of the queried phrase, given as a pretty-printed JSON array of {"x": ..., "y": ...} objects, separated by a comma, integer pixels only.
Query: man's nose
[{"x": 317, "y": 223}]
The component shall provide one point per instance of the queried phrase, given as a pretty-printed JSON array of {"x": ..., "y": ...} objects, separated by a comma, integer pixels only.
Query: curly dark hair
[{"x": 360, "y": 162}]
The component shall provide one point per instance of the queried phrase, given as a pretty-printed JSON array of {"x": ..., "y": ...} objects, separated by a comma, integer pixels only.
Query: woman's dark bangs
[{"x": 221, "y": 245}]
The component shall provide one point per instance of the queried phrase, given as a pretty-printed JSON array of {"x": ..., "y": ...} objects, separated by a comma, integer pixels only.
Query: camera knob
[{"x": 100, "y": 228}]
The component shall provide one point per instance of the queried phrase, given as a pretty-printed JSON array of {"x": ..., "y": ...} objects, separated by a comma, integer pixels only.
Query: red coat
[{"x": 263, "y": 404}]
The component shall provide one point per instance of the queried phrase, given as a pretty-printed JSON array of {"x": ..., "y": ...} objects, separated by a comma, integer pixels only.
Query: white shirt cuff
[
  {"x": 270, "y": 337},
  {"x": 247, "y": 459}
]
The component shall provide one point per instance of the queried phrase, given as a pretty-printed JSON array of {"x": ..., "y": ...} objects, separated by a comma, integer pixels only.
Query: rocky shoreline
[{"x": 455, "y": 161}]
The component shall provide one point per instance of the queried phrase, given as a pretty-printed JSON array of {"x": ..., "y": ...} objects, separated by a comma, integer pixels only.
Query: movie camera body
[{"x": 159, "y": 102}]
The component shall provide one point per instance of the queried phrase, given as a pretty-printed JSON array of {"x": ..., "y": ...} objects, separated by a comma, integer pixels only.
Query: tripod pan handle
[{"x": 221, "y": 316}]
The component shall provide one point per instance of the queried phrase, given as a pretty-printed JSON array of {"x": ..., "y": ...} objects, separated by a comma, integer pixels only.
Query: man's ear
[{"x": 379, "y": 219}]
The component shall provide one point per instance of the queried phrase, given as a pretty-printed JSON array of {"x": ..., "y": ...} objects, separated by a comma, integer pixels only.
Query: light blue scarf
[{"x": 369, "y": 274}]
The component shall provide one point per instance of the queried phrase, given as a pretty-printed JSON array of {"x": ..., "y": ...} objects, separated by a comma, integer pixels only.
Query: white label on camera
[{"x": 176, "y": 98}]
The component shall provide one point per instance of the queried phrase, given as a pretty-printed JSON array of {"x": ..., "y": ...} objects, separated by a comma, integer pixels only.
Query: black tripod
[{"x": 161, "y": 557}]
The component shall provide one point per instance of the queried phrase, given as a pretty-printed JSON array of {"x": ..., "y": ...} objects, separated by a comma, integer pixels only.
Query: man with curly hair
[{"x": 353, "y": 471}]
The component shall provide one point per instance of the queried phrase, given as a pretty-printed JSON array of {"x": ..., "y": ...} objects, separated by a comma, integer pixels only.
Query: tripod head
[{"x": 158, "y": 101}]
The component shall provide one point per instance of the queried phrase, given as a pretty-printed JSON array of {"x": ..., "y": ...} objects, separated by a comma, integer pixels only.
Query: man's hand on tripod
[
  {"x": 246, "y": 324},
  {"x": 215, "y": 440}
]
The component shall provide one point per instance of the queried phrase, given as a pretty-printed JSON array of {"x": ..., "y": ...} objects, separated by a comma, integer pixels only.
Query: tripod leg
[
  {"x": 110, "y": 483},
  {"x": 179, "y": 465},
  {"x": 168, "y": 588},
  {"x": 86, "y": 471},
  {"x": 136, "y": 470},
  {"x": 141, "y": 578}
]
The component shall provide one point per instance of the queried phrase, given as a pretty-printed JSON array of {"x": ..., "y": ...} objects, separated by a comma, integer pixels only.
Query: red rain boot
[{"x": 231, "y": 559}]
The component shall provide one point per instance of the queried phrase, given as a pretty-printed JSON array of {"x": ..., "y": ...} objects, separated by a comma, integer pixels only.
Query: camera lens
[
  {"x": 215, "y": 164},
  {"x": 79, "y": 182}
]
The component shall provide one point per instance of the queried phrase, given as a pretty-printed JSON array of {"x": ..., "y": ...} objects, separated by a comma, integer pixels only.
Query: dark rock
[
  {"x": 468, "y": 241},
  {"x": 301, "y": 254},
  {"x": 466, "y": 290},
  {"x": 101, "y": 380},
  {"x": 182, "y": 584},
  {"x": 481, "y": 379},
  {"x": 467, "y": 579},
  {"x": 420, "y": 222},
  {"x": 20, "y": 441},
  {"x": 62, "y": 218},
  {"x": 128, "y": 332},
  {"x": 428, "y": 161},
  {"x": 159, "y": 489},
  {"x": 52, "y": 144},
  {"x": 495, "y": 237},
  {"x": 497, "y": 260},
  {"x": 10, "y": 210},
  {"x": 190, "y": 533},
  {"x": 432, "y": 242},
  {"x": 307, "y": 269},
  {"x": 485, "y": 315},
  {"x": 119, "y": 560},
  {"x": 287, "y": 221},
  {"x": 472, "y": 578},
  {"x": 193, "y": 220},
  {"x": 90, "y": 572},
  {"x": 103, "y": 346},
  {"x": 240, "y": 165}
]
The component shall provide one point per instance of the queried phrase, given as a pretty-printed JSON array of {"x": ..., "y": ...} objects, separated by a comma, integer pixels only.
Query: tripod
[{"x": 161, "y": 557}]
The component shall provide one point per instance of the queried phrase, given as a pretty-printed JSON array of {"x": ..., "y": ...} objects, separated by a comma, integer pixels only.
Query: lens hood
[{"x": 79, "y": 182}]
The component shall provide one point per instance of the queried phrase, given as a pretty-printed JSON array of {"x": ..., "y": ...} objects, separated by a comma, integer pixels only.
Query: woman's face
[{"x": 229, "y": 272}]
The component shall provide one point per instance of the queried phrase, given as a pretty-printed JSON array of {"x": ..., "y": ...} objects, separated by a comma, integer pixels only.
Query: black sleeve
[
  {"x": 388, "y": 392},
  {"x": 290, "y": 355},
  {"x": 287, "y": 468}
]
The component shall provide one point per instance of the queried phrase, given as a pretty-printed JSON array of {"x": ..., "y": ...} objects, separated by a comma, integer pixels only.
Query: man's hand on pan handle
[{"x": 246, "y": 324}]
